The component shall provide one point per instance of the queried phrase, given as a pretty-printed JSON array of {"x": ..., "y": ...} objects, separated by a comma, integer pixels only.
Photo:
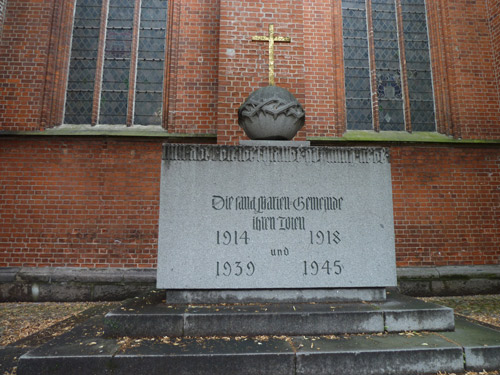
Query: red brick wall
[
  {"x": 324, "y": 62},
  {"x": 446, "y": 205},
  {"x": 193, "y": 51},
  {"x": 23, "y": 59},
  {"x": 94, "y": 203},
  {"x": 477, "y": 91},
  {"x": 243, "y": 64},
  {"x": 78, "y": 202},
  {"x": 207, "y": 82},
  {"x": 465, "y": 68},
  {"x": 494, "y": 18},
  {"x": 464, "y": 65}
]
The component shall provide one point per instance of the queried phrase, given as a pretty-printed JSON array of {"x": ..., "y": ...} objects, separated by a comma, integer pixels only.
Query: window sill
[
  {"x": 109, "y": 130},
  {"x": 395, "y": 136}
]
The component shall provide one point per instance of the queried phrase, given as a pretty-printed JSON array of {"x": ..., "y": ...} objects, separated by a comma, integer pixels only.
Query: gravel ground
[{"x": 27, "y": 325}]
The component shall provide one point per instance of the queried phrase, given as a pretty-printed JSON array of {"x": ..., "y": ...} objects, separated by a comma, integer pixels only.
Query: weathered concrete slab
[
  {"x": 207, "y": 357},
  {"x": 298, "y": 319},
  {"x": 85, "y": 351},
  {"x": 377, "y": 355},
  {"x": 150, "y": 316},
  {"x": 147, "y": 316},
  {"x": 276, "y": 295},
  {"x": 271, "y": 217},
  {"x": 81, "y": 351},
  {"x": 409, "y": 314},
  {"x": 481, "y": 345}
]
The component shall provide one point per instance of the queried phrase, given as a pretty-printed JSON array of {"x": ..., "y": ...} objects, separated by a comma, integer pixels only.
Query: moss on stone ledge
[{"x": 396, "y": 136}]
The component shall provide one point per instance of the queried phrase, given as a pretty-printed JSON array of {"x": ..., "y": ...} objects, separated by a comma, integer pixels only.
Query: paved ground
[{"x": 24, "y": 326}]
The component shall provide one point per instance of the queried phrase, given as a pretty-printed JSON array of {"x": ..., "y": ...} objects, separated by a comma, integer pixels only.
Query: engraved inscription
[
  {"x": 316, "y": 237},
  {"x": 278, "y": 154},
  {"x": 261, "y": 204},
  {"x": 227, "y": 269},
  {"x": 232, "y": 238},
  {"x": 315, "y": 268},
  {"x": 275, "y": 217},
  {"x": 325, "y": 237}
]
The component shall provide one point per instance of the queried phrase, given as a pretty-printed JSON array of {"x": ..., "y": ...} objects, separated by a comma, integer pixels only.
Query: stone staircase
[{"x": 146, "y": 335}]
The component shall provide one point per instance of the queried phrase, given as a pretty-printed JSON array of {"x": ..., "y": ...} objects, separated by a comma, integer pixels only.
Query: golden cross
[{"x": 271, "y": 39}]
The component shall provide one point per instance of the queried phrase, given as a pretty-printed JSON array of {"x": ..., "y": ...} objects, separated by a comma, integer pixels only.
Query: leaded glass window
[
  {"x": 116, "y": 72},
  {"x": 3, "y": 7},
  {"x": 418, "y": 65},
  {"x": 387, "y": 86},
  {"x": 357, "y": 66}
]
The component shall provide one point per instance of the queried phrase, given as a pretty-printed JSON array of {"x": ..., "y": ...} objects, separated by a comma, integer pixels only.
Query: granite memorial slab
[{"x": 266, "y": 217}]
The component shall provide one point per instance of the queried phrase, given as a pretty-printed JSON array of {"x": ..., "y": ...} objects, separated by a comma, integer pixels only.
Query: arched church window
[
  {"x": 116, "y": 73},
  {"x": 388, "y": 78}
]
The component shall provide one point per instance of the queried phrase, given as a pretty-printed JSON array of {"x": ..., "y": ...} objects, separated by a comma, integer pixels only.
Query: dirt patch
[{"x": 20, "y": 320}]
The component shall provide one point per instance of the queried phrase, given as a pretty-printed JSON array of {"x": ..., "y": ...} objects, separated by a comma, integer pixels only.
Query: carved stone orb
[{"x": 271, "y": 113}]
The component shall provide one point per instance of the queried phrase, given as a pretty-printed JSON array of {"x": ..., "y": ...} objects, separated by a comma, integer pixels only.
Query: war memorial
[{"x": 277, "y": 245}]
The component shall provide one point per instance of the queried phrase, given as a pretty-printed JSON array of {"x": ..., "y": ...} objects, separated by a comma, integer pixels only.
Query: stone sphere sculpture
[{"x": 271, "y": 113}]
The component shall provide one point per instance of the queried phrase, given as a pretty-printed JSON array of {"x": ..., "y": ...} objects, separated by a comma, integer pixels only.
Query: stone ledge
[
  {"x": 80, "y": 284},
  {"x": 108, "y": 130},
  {"x": 464, "y": 272},
  {"x": 449, "y": 280},
  {"x": 73, "y": 284},
  {"x": 401, "y": 136},
  {"x": 84, "y": 275}
]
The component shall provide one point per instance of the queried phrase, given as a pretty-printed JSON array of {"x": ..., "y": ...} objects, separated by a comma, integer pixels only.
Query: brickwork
[
  {"x": 243, "y": 64},
  {"x": 94, "y": 203},
  {"x": 446, "y": 205},
  {"x": 23, "y": 59},
  {"x": 192, "y": 56},
  {"x": 81, "y": 203},
  {"x": 465, "y": 69},
  {"x": 494, "y": 19},
  {"x": 323, "y": 58},
  {"x": 212, "y": 64},
  {"x": 477, "y": 92},
  {"x": 443, "y": 74}
]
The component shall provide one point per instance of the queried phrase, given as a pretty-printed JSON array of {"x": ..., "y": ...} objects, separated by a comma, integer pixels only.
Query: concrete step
[
  {"x": 85, "y": 351},
  {"x": 150, "y": 316}
]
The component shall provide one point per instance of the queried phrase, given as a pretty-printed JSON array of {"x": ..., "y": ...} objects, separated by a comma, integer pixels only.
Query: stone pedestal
[{"x": 272, "y": 217}]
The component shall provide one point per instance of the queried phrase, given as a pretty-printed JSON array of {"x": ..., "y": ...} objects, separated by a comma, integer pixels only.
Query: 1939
[{"x": 237, "y": 269}]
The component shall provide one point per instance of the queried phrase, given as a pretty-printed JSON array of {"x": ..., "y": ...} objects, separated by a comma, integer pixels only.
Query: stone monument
[
  {"x": 274, "y": 220},
  {"x": 293, "y": 229},
  {"x": 271, "y": 113},
  {"x": 275, "y": 217}
]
